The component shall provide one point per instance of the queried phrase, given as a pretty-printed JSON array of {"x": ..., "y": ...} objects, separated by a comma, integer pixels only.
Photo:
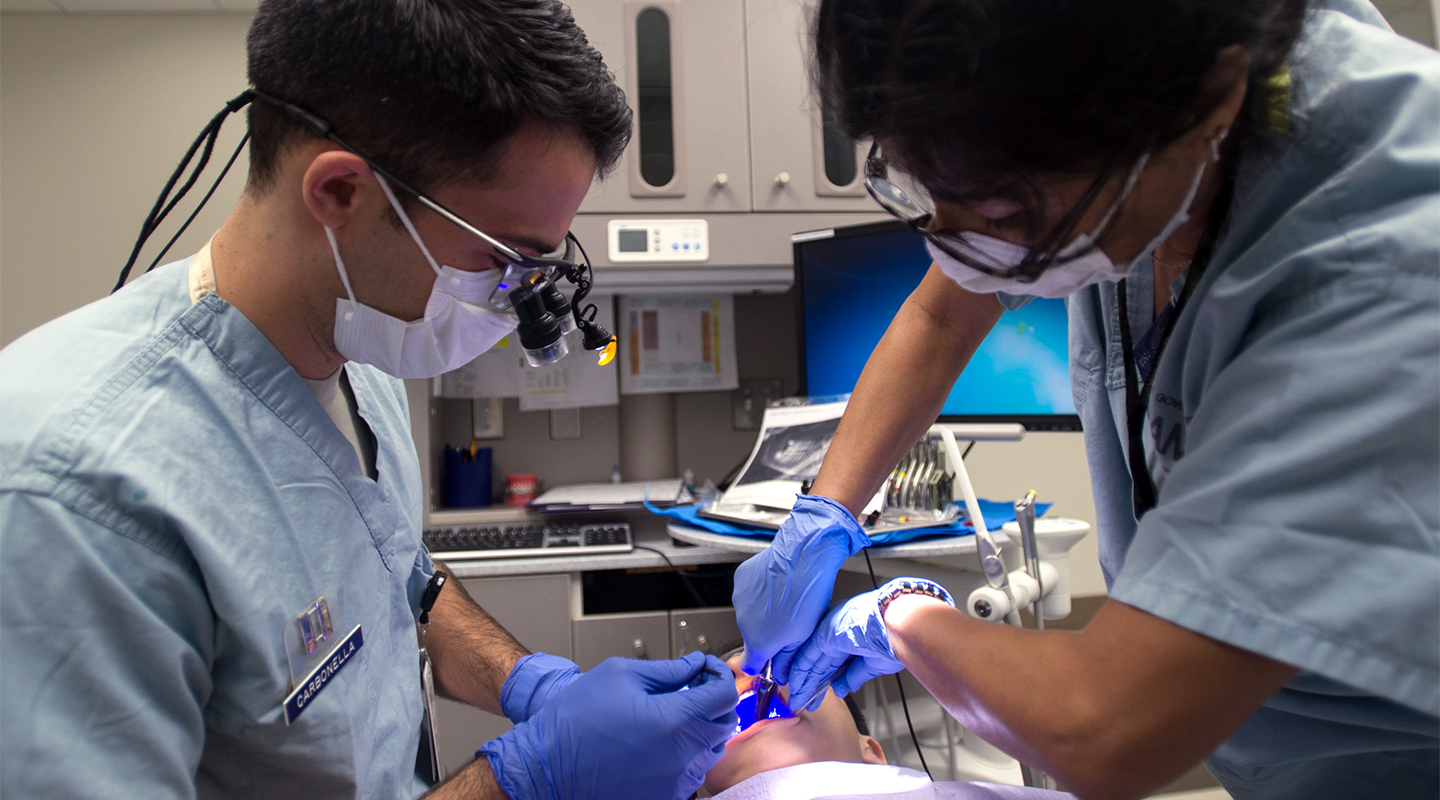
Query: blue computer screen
[{"x": 852, "y": 285}]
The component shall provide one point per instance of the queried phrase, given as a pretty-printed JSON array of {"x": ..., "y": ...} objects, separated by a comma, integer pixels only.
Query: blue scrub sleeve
[
  {"x": 420, "y": 574},
  {"x": 1301, "y": 522},
  {"x": 103, "y": 685}
]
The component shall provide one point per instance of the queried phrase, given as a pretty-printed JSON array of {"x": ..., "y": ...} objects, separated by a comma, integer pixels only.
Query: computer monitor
[{"x": 850, "y": 285}]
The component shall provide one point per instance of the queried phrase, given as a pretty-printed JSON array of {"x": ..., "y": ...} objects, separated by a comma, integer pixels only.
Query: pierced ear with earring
[{"x": 1215, "y": 142}]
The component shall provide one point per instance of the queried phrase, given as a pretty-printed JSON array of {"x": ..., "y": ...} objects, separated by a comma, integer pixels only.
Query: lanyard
[{"x": 1137, "y": 395}]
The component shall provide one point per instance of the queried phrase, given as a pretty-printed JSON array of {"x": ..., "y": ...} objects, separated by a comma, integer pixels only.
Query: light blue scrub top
[
  {"x": 171, "y": 496},
  {"x": 1294, "y": 427}
]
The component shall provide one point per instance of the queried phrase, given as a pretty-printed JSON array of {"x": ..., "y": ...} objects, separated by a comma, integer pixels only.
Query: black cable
[
  {"x": 967, "y": 451},
  {"x": 193, "y": 214},
  {"x": 899, "y": 684},
  {"x": 684, "y": 579},
  {"x": 582, "y": 275},
  {"x": 162, "y": 208}
]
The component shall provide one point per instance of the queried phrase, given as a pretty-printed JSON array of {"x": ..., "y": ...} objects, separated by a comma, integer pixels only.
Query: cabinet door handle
[
  {"x": 721, "y": 180},
  {"x": 782, "y": 180},
  {"x": 639, "y": 647}
]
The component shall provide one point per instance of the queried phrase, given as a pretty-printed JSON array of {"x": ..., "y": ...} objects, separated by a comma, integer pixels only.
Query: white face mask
[
  {"x": 459, "y": 323},
  {"x": 1072, "y": 276}
]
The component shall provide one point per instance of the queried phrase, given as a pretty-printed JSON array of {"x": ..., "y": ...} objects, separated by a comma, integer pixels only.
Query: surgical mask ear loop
[
  {"x": 340, "y": 267},
  {"x": 1130, "y": 181},
  {"x": 410, "y": 226}
]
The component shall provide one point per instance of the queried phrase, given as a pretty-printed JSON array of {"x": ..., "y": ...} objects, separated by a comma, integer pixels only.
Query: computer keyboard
[{"x": 461, "y": 542}]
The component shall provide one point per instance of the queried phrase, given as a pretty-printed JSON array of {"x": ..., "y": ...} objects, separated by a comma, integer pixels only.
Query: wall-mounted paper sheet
[
  {"x": 677, "y": 344},
  {"x": 495, "y": 373},
  {"x": 575, "y": 381}
]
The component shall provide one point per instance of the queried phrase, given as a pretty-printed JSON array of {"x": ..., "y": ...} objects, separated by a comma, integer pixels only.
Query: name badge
[{"x": 325, "y": 672}]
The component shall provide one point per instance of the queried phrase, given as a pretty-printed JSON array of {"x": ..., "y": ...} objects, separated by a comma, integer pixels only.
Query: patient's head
[{"x": 834, "y": 732}]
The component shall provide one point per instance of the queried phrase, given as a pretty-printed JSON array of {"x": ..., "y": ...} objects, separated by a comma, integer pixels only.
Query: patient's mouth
[{"x": 764, "y": 724}]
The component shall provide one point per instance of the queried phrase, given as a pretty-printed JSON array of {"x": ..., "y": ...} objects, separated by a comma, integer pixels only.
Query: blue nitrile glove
[
  {"x": 624, "y": 729},
  {"x": 535, "y": 679},
  {"x": 782, "y": 592},
  {"x": 851, "y": 645}
]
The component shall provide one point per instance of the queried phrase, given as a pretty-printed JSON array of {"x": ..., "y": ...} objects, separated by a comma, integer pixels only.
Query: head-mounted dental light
[{"x": 542, "y": 335}]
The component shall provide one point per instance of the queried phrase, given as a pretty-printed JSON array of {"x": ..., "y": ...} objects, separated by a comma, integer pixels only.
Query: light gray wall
[
  {"x": 95, "y": 112},
  {"x": 1415, "y": 19}
]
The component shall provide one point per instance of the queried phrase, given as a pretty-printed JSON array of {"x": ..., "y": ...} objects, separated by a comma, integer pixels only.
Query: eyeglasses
[
  {"x": 553, "y": 266},
  {"x": 1041, "y": 257}
]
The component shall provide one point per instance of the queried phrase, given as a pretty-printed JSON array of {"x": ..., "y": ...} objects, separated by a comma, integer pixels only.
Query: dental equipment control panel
[
  {"x": 658, "y": 241},
  {"x": 465, "y": 542}
]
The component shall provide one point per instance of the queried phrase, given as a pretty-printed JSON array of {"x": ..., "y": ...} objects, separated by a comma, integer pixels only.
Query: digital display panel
[
  {"x": 637, "y": 241},
  {"x": 851, "y": 287}
]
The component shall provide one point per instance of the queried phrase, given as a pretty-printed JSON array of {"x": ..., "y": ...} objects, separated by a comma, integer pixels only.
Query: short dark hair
[
  {"x": 855, "y": 713},
  {"x": 428, "y": 88},
  {"x": 977, "y": 94}
]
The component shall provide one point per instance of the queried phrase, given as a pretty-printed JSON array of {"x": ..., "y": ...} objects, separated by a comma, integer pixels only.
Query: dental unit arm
[{"x": 1043, "y": 581}]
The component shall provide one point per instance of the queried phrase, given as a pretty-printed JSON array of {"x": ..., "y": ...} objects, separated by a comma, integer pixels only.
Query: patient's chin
[
  {"x": 746, "y": 759},
  {"x": 786, "y": 746}
]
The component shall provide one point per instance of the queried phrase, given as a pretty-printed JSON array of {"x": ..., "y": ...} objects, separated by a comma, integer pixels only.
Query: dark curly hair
[
  {"x": 428, "y": 88},
  {"x": 978, "y": 95}
]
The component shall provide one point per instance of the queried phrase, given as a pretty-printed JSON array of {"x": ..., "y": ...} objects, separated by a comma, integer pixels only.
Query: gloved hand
[
  {"x": 624, "y": 729},
  {"x": 851, "y": 644},
  {"x": 535, "y": 679},
  {"x": 781, "y": 593}
]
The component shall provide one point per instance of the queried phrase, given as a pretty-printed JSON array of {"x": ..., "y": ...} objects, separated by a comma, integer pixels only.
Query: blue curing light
[{"x": 746, "y": 710}]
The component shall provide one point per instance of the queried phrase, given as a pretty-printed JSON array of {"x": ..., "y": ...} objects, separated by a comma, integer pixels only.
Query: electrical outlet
[
  {"x": 747, "y": 403},
  {"x": 487, "y": 418},
  {"x": 565, "y": 423}
]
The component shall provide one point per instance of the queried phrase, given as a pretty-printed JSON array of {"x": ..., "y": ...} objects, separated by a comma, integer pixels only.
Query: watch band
[{"x": 900, "y": 586}]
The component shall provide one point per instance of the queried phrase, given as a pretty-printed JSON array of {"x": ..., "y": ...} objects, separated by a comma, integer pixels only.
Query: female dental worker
[{"x": 1241, "y": 200}]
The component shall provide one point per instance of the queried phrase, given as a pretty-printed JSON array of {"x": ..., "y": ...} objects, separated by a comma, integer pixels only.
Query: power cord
[
  {"x": 684, "y": 579},
  {"x": 904, "y": 704}
]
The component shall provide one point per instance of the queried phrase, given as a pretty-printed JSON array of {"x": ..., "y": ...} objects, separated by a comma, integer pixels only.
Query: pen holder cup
[{"x": 467, "y": 483}]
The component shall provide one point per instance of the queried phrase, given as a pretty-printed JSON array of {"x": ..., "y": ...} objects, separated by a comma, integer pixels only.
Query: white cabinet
[
  {"x": 704, "y": 630},
  {"x": 791, "y": 169},
  {"x": 644, "y": 634},
  {"x": 535, "y": 610},
  {"x": 682, "y": 66},
  {"x": 725, "y": 119}
]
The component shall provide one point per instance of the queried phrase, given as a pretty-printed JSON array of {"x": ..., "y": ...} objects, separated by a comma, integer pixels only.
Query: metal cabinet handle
[
  {"x": 638, "y": 646},
  {"x": 721, "y": 180},
  {"x": 782, "y": 180}
]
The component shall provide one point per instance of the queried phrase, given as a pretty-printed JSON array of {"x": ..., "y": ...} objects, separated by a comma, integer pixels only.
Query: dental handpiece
[{"x": 765, "y": 689}]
